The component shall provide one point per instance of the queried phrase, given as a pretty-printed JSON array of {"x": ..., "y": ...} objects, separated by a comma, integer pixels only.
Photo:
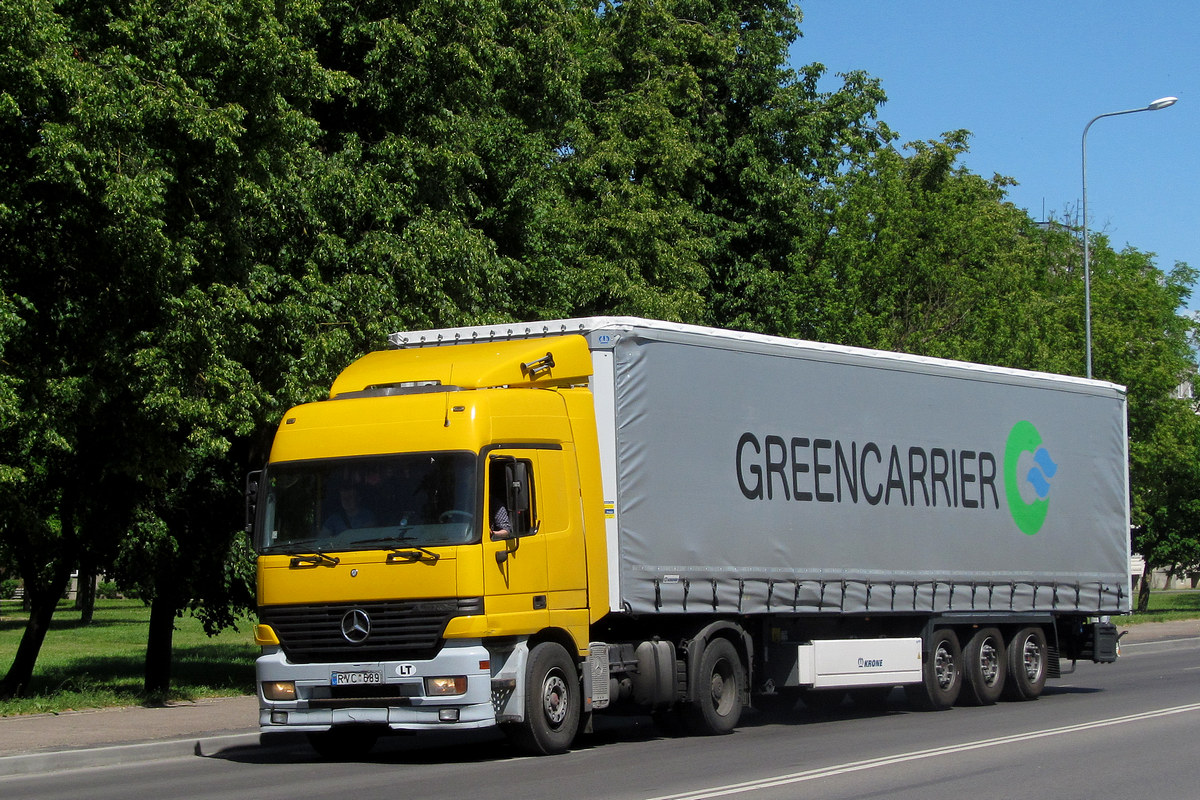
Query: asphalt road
[{"x": 1124, "y": 730}]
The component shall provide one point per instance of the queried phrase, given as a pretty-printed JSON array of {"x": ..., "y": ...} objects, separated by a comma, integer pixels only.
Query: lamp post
[{"x": 1162, "y": 102}]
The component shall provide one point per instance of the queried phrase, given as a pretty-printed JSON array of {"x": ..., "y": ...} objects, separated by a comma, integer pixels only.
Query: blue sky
[{"x": 1025, "y": 77}]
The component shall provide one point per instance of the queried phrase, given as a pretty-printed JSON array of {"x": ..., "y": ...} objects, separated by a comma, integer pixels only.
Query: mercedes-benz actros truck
[{"x": 524, "y": 525}]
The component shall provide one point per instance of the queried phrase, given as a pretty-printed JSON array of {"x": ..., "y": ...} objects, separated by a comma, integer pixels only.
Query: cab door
[{"x": 515, "y": 569}]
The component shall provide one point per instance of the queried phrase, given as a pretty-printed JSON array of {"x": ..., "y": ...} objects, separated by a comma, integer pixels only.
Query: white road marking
[{"x": 917, "y": 755}]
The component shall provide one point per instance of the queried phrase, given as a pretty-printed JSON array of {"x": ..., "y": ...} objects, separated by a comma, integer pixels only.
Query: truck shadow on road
[{"x": 468, "y": 747}]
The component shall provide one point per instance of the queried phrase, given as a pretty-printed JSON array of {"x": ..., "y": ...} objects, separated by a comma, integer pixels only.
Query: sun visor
[{"x": 553, "y": 361}]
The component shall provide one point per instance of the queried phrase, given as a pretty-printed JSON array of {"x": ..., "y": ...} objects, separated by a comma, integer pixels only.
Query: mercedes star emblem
[{"x": 356, "y": 626}]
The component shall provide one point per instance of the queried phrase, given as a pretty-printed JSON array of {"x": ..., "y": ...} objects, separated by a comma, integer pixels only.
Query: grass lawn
[
  {"x": 102, "y": 664},
  {"x": 1166, "y": 606}
]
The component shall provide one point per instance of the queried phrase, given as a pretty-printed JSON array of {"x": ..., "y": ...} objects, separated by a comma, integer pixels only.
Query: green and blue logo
[{"x": 1028, "y": 495}]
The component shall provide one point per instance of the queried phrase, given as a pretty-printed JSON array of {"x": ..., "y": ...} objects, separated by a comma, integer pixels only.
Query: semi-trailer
[{"x": 523, "y": 525}]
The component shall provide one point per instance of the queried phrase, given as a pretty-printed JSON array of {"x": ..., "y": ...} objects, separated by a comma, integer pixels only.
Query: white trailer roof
[{"x": 736, "y": 340}]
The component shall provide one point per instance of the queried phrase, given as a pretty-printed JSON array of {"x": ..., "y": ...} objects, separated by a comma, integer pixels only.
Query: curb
[{"x": 111, "y": 755}]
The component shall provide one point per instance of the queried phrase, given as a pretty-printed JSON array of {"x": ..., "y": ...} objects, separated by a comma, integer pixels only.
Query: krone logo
[
  {"x": 1027, "y": 477},
  {"x": 356, "y": 626}
]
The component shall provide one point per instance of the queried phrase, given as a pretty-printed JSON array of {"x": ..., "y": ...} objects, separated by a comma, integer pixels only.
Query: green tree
[
  {"x": 1141, "y": 340},
  {"x": 931, "y": 258},
  {"x": 135, "y": 140},
  {"x": 698, "y": 171}
]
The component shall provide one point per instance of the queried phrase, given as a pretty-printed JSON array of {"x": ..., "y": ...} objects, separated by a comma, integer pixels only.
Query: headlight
[
  {"x": 279, "y": 690},
  {"x": 445, "y": 687}
]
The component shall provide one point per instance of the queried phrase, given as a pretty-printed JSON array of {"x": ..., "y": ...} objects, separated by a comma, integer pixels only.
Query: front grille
[{"x": 400, "y": 629}]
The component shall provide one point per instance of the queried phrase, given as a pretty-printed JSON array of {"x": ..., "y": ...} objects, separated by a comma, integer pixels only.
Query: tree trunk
[
  {"x": 1143, "y": 601},
  {"x": 158, "y": 642},
  {"x": 42, "y": 602},
  {"x": 85, "y": 596}
]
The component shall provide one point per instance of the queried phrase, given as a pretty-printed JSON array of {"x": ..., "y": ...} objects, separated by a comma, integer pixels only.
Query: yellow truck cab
[{"x": 383, "y": 571}]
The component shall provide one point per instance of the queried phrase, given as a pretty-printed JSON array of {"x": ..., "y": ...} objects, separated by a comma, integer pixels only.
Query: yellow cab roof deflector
[{"x": 554, "y": 361}]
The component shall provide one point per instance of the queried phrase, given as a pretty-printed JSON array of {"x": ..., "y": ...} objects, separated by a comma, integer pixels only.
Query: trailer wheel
[
  {"x": 1027, "y": 663},
  {"x": 984, "y": 668},
  {"x": 552, "y": 702},
  {"x": 941, "y": 674},
  {"x": 722, "y": 678},
  {"x": 344, "y": 743}
]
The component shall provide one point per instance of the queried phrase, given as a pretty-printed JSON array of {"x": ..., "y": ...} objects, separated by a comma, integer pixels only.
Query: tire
[
  {"x": 1027, "y": 662},
  {"x": 553, "y": 704},
  {"x": 344, "y": 743},
  {"x": 824, "y": 701},
  {"x": 721, "y": 682},
  {"x": 941, "y": 673},
  {"x": 984, "y": 668}
]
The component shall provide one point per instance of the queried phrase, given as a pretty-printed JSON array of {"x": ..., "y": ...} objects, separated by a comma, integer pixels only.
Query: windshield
[{"x": 409, "y": 500}]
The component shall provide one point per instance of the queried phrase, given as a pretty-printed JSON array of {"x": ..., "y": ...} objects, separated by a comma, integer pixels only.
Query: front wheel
[
  {"x": 721, "y": 683},
  {"x": 552, "y": 702}
]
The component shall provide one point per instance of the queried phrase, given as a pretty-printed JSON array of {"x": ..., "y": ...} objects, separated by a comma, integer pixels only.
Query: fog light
[
  {"x": 445, "y": 687},
  {"x": 448, "y": 714},
  {"x": 279, "y": 718},
  {"x": 279, "y": 690}
]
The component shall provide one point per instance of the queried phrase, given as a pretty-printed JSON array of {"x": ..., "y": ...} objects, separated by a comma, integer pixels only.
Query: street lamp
[{"x": 1160, "y": 103}]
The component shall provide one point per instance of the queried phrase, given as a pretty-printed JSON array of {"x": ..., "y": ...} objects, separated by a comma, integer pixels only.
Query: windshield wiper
[
  {"x": 316, "y": 559},
  {"x": 411, "y": 552},
  {"x": 399, "y": 549}
]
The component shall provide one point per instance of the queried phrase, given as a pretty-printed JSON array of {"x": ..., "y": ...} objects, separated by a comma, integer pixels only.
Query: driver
[{"x": 350, "y": 513}]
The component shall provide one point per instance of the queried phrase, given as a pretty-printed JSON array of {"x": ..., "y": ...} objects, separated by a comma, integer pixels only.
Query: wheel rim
[
  {"x": 1032, "y": 657},
  {"x": 943, "y": 667},
  {"x": 723, "y": 687},
  {"x": 989, "y": 662},
  {"x": 554, "y": 699}
]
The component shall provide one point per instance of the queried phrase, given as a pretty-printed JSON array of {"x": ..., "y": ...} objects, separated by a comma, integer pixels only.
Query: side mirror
[
  {"x": 252, "y": 480},
  {"x": 519, "y": 490}
]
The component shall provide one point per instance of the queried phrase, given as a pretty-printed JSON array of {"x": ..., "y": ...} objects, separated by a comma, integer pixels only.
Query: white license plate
[{"x": 355, "y": 678}]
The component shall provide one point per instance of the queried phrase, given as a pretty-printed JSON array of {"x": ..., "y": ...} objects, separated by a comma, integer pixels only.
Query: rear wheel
[
  {"x": 941, "y": 673},
  {"x": 984, "y": 668},
  {"x": 719, "y": 689},
  {"x": 552, "y": 702},
  {"x": 1027, "y": 665}
]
